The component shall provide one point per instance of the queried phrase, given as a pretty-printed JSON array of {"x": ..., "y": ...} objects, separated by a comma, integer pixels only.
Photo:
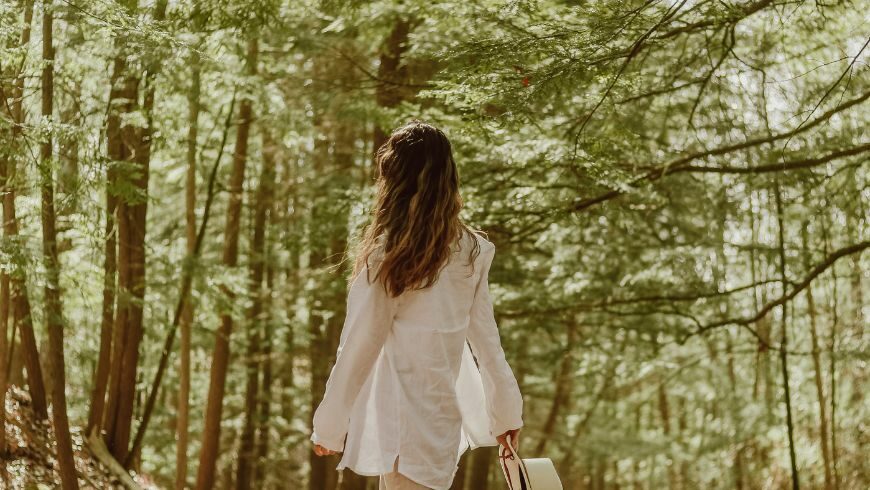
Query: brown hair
[{"x": 415, "y": 219}]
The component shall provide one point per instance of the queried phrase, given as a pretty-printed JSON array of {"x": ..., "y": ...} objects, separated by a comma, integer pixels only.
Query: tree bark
[
  {"x": 120, "y": 102},
  {"x": 563, "y": 388},
  {"x": 481, "y": 462},
  {"x": 328, "y": 242},
  {"x": 817, "y": 371},
  {"x": 186, "y": 284},
  {"x": 182, "y": 423},
  {"x": 4, "y": 353},
  {"x": 211, "y": 433},
  {"x": 783, "y": 344},
  {"x": 255, "y": 316},
  {"x": 665, "y": 414},
  {"x": 52, "y": 292},
  {"x": 392, "y": 75},
  {"x": 98, "y": 394},
  {"x": 265, "y": 402},
  {"x": 131, "y": 215},
  {"x": 123, "y": 94},
  {"x": 461, "y": 471},
  {"x": 19, "y": 298}
]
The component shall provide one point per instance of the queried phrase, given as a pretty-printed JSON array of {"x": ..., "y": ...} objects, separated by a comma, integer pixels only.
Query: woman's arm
[
  {"x": 504, "y": 403},
  {"x": 370, "y": 314}
]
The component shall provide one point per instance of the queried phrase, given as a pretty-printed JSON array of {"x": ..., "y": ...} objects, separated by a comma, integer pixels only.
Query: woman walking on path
[{"x": 420, "y": 374}]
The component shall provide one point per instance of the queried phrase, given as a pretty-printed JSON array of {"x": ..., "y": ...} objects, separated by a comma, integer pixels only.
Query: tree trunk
[
  {"x": 562, "y": 393},
  {"x": 481, "y": 462},
  {"x": 53, "y": 307},
  {"x": 131, "y": 216},
  {"x": 290, "y": 211},
  {"x": 211, "y": 432},
  {"x": 665, "y": 414},
  {"x": 461, "y": 471},
  {"x": 4, "y": 353},
  {"x": 98, "y": 395},
  {"x": 265, "y": 402},
  {"x": 128, "y": 322},
  {"x": 817, "y": 370},
  {"x": 255, "y": 317},
  {"x": 182, "y": 423},
  {"x": 832, "y": 357},
  {"x": 783, "y": 344},
  {"x": 123, "y": 94},
  {"x": 328, "y": 242},
  {"x": 392, "y": 75},
  {"x": 20, "y": 302}
]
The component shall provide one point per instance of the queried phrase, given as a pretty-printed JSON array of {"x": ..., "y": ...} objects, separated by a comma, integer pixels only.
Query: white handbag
[{"x": 528, "y": 474}]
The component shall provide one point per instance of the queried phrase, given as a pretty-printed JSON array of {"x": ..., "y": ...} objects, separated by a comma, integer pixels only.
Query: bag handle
[{"x": 512, "y": 454}]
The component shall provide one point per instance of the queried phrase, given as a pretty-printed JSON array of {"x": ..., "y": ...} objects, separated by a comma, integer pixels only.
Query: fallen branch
[{"x": 101, "y": 452}]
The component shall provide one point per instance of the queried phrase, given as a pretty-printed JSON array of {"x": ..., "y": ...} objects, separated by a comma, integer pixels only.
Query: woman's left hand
[
  {"x": 515, "y": 439},
  {"x": 322, "y": 451}
]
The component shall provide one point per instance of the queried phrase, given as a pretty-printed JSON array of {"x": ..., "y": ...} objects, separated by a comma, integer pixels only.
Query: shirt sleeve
[
  {"x": 370, "y": 314},
  {"x": 504, "y": 403}
]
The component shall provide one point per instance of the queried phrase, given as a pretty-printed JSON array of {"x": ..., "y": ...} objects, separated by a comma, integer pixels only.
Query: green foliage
[{"x": 623, "y": 156}]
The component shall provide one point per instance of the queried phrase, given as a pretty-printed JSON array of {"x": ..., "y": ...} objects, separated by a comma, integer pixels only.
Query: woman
[{"x": 405, "y": 398}]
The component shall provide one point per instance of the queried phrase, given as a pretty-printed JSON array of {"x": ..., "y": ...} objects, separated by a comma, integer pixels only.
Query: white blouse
[{"x": 405, "y": 382}]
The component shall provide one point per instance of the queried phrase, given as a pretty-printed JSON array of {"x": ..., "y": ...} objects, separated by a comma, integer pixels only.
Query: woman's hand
[
  {"x": 515, "y": 439},
  {"x": 322, "y": 451}
]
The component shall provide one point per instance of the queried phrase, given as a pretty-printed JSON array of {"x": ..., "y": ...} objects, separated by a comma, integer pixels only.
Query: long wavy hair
[{"x": 415, "y": 219}]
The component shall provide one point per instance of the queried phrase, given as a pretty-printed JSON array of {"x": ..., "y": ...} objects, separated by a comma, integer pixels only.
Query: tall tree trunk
[
  {"x": 665, "y": 414},
  {"x": 185, "y": 325},
  {"x": 211, "y": 432},
  {"x": 110, "y": 258},
  {"x": 461, "y": 471},
  {"x": 264, "y": 410},
  {"x": 255, "y": 316},
  {"x": 328, "y": 242},
  {"x": 131, "y": 216},
  {"x": 392, "y": 75},
  {"x": 122, "y": 94},
  {"x": 563, "y": 384},
  {"x": 53, "y": 307},
  {"x": 290, "y": 208},
  {"x": 4, "y": 352},
  {"x": 481, "y": 462},
  {"x": 19, "y": 298},
  {"x": 783, "y": 344},
  {"x": 186, "y": 284},
  {"x": 817, "y": 370},
  {"x": 122, "y": 97},
  {"x": 832, "y": 357}
]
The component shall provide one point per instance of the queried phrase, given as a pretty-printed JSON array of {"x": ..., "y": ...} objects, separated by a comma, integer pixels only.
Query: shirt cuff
[
  {"x": 331, "y": 444},
  {"x": 500, "y": 429}
]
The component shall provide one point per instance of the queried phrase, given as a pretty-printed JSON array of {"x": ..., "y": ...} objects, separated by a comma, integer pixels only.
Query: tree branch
[
  {"x": 675, "y": 165},
  {"x": 767, "y": 308},
  {"x": 778, "y": 167}
]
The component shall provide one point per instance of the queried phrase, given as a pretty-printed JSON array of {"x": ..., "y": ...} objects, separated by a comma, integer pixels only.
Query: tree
[
  {"x": 19, "y": 298},
  {"x": 211, "y": 434},
  {"x": 257, "y": 316},
  {"x": 53, "y": 307}
]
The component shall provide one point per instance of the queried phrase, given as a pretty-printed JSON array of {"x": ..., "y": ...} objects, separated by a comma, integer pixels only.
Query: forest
[{"x": 678, "y": 192}]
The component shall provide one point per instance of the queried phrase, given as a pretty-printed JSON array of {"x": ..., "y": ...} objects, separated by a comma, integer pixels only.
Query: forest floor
[{"x": 31, "y": 463}]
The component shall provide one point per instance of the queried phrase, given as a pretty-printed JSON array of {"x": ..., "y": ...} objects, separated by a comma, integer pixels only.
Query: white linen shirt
[{"x": 405, "y": 382}]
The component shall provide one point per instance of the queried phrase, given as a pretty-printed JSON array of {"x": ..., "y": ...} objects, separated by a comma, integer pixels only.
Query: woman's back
[{"x": 406, "y": 394}]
